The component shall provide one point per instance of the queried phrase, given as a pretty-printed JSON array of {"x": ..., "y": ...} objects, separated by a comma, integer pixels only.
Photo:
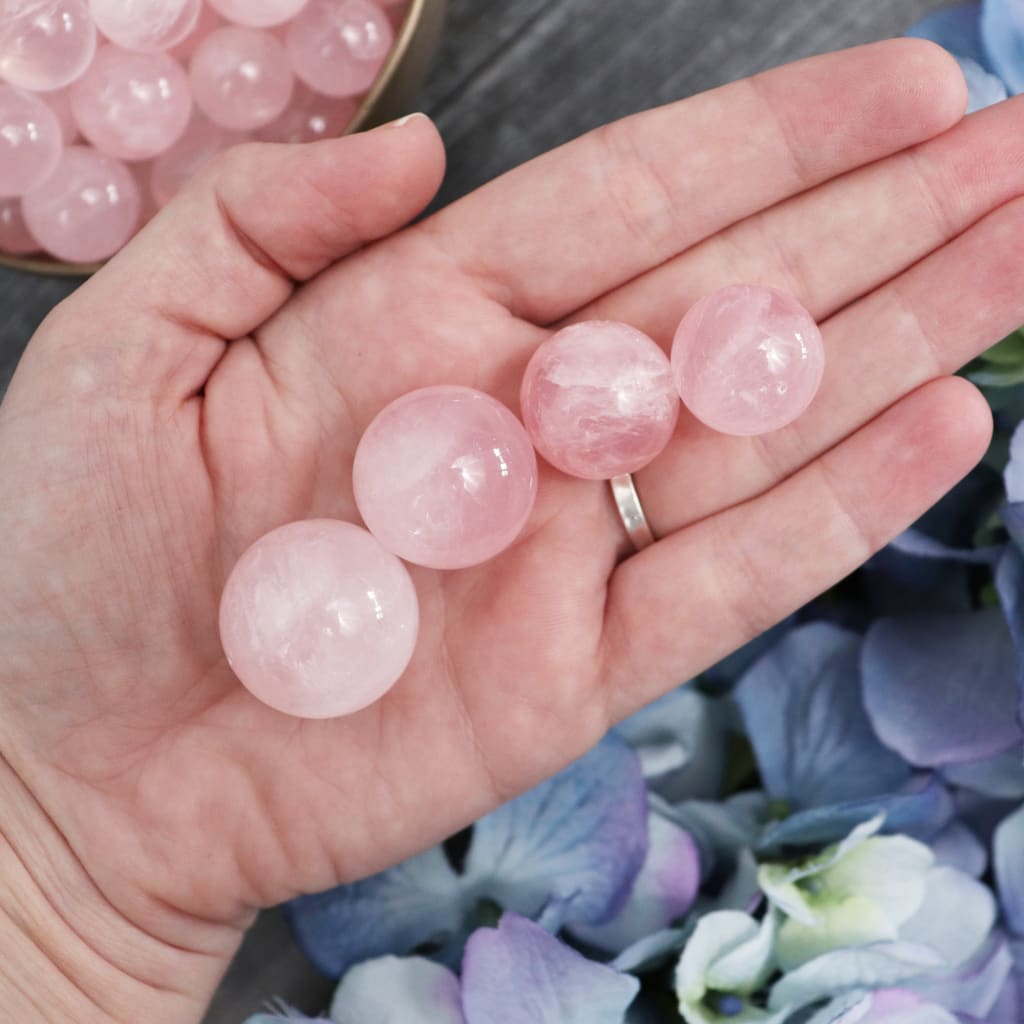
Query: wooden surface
[{"x": 515, "y": 78}]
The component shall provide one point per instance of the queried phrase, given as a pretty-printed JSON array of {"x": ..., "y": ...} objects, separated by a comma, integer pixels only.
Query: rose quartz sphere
[
  {"x": 338, "y": 47},
  {"x": 258, "y": 13},
  {"x": 147, "y": 26},
  {"x": 45, "y": 44},
  {"x": 445, "y": 477},
  {"x": 201, "y": 143},
  {"x": 310, "y": 117},
  {"x": 31, "y": 142},
  {"x": 240, "y": 78},
  {"x": 598, "y": 400},
  {"x": 318, "y": 620},
  {"x": 132, "y": 105},
  {"x": 87, "y": 209},
  {"x": 15, "y": 239},
  {"x": 747, "y": 359}
]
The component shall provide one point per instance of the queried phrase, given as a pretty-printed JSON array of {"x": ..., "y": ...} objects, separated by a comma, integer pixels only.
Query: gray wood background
[{"x": 514, "y": 78}]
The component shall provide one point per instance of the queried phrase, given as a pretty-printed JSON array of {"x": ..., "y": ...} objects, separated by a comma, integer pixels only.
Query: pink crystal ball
[
  {"x": 747, "y": 359},
  {"x": 31, "y": 141},
  {"x": 318, "y": 620},
  {"x": 132, "y": 105},
  {"x": 87, "y": 209},
  {"x": 445, "y": 477},
  {"x": 240, "y": 78},
  {"x": 45, "y": 44},
  {"x": 598, "y": 400},
  {"x": 146, "y": 26},
  {"x": 337, "y": 47},
  {"x": 258, "y": 13}
]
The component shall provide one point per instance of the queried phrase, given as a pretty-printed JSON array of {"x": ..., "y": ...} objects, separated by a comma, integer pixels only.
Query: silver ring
[{"x": 631, "y": 512}]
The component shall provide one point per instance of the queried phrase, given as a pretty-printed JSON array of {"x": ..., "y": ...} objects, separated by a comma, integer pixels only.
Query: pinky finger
[{"x": 702, "y": 592}]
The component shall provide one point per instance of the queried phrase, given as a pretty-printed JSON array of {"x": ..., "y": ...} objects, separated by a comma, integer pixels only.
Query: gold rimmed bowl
[{"x": 392, "y": 94}]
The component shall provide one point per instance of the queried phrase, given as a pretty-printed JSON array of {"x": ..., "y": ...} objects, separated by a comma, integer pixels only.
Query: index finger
[{"x": 559, "y": 232}]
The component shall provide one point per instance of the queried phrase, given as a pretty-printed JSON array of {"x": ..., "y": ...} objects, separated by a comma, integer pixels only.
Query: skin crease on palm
[{"x": 148, "y": 804}]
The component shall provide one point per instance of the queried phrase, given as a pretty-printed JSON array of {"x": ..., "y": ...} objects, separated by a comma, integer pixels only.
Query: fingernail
[{"x": 403, "y": 121}]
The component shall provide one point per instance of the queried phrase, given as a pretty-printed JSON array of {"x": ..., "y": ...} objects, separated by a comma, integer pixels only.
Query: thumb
[{"x": 226, "y": 253}]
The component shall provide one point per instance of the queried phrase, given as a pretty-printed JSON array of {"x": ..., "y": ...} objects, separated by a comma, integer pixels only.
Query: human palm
[{"x": 146, "y": 452}]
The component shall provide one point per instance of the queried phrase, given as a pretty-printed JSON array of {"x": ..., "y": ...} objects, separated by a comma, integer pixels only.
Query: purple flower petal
[
  {"x": 922, "y": 811},
  {"x": 958, "y": 847},
  {"x": 1010, "y": 587},
  {"x": 802, "y": 707},
  {"x": 394, "y": 912},
  {"x": 955, "y": 28},
  {"x": 1008, "y": 861},
  {"x": 681, "y": 741},
  {"x": 1001, "y": 776},
  {"x": 664, "y": 891},
  {"x": 1002, "y": 35},
  {"x": 1013, "y": 475},
  {"x": 407, "y": 990},
  {"x": 518, "y": 972},
  {"x": 940, "y": 689},
  {"x": 882, "y": 965},
  {"x": 578, "y": 840},
  {"x": 976, "y": 987}
]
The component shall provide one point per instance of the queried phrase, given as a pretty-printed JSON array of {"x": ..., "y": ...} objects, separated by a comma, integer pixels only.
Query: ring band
[{"x": 627, "y": 501}]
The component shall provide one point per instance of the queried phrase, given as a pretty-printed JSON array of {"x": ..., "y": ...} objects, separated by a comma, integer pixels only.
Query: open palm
[{"x": 192, "y": 397}]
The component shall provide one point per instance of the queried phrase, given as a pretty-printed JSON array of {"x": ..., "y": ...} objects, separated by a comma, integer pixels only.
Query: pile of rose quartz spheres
[{"x": 107, "y": 107}]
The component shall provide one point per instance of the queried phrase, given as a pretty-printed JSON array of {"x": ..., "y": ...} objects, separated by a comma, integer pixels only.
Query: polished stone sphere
[
  {"x": 317, "y": 620},
  {"x": 31, "y": 142},
  {"x": 598, "y": 400},
  {"x": 748, "y": 359},
  {"x": 241, "y": 79},
  {"x": 134, "y": 106},
  {"x": 445, "y": 477},
  {"x": 87, "y": 209},
  {"x": 45, "y": 44}
]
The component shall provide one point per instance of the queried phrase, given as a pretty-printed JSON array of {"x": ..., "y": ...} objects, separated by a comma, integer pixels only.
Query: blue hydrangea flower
[
  {"x": 513, "y": 973},
  {"x": 873, "y": 889},
  {"x": 728, "y": 958},
  {"x": 820, "y": 760},
  {"x": 569, "y": 851}
]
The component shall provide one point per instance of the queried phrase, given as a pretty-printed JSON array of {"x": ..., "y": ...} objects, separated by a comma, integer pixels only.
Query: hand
[{"x": 192, "y": 396}]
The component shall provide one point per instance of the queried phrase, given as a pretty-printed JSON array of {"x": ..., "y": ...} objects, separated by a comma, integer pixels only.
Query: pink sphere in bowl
[
  {"x": 198, "y": 146},
  {"x": 317, "y": 620},
  {"x": 15, "y": 239},
  {"x": 598, "y": 400},
  {"x": 240, "y": 78},
  {"x": 147, "y": 26},
  {"x": 31, "y": 141},
  {"x": 445, "y": 477},
  {"x": 45, "y": 44},
  {"x": 132, "y": 105},
  {"x": 748, "y": 359},
  {"x": 87, "y": 209},
  {"x": 258, "y": 13},
  {"x": 338, "y": 47},
  {"x": 310, "y": 117}
]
